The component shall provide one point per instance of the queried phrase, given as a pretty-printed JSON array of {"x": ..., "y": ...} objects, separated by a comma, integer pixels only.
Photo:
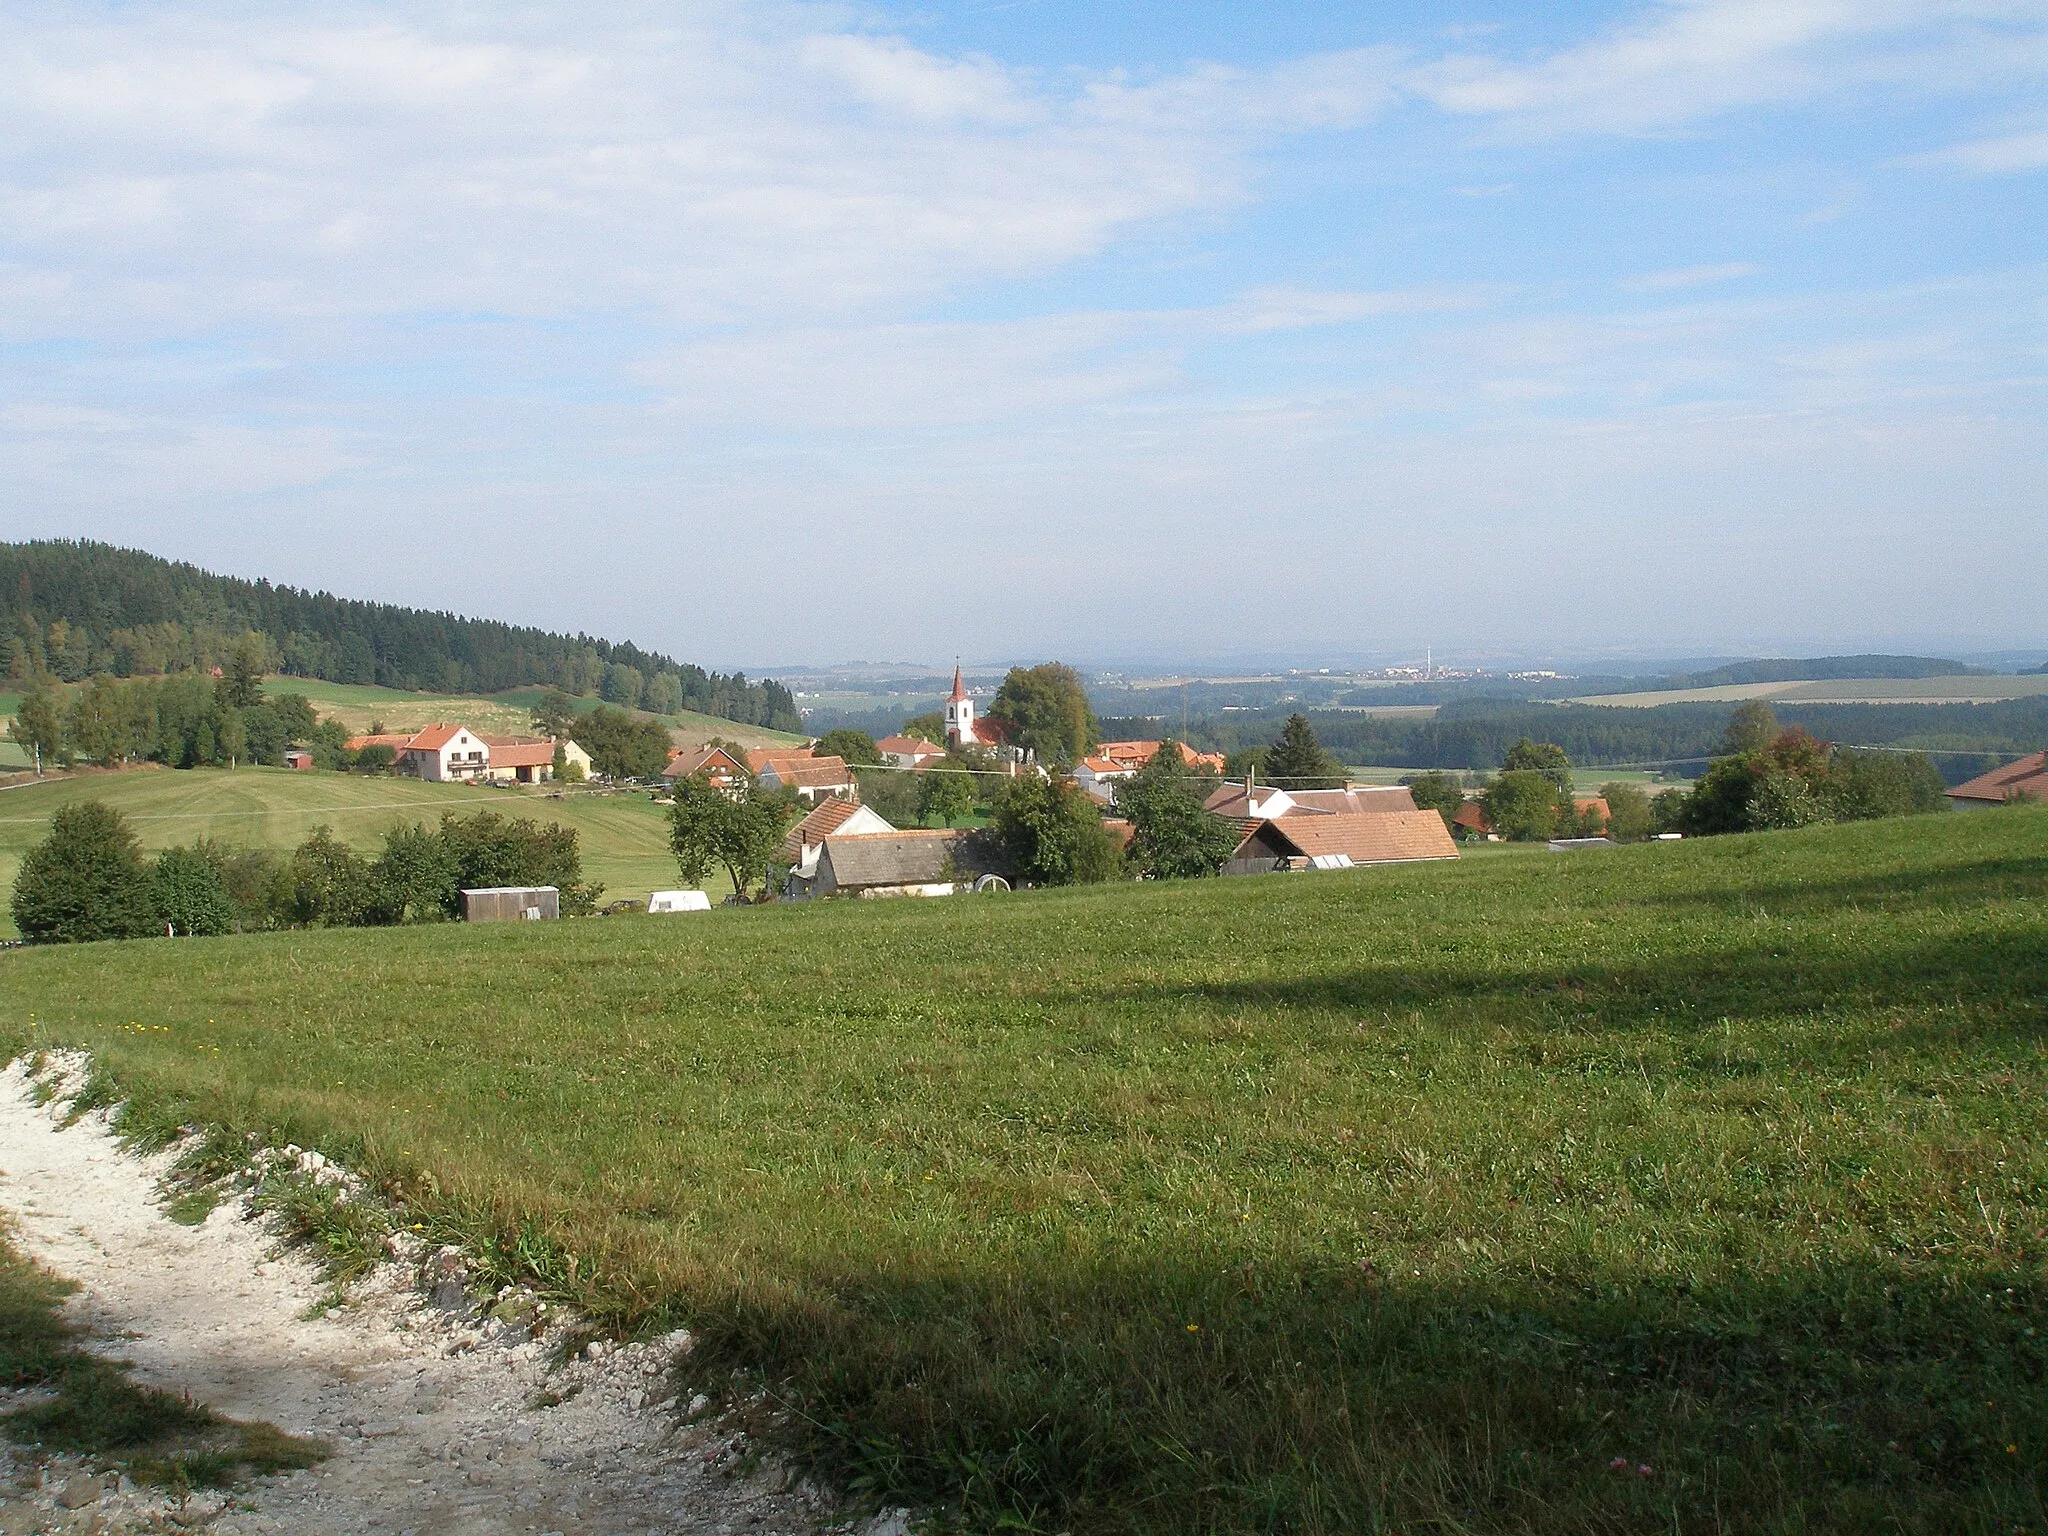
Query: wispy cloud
[
  {"x": 1691, "y": 277},
  {"x": 2005, "y": 155},
  {"x": 1682, "y": 61}
]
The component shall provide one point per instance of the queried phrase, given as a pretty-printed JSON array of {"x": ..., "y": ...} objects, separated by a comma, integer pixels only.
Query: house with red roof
[
  {"x": 2026, "y": 779},
  {"x": 719, "y": 768}
]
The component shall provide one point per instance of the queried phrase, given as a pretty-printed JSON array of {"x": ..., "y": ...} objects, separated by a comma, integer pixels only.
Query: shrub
[
  {"x": 186, "y": 891},
  {"x": 1629, "y": 817},
  {"x": 1051, "y": 833},
  {"x": 1523, "y": 806},
  {"x": 85, "y": 881},
  {"x": 332, "y": 885},
  {"x": 1439, "y": 792}
]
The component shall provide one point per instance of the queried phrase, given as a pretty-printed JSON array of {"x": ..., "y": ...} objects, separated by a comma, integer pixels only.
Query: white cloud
[
  {"x": 2006, "y": 155},
  {"x": 1692, "y": 277},
  {"x": 1684, "y": 60},
  {"x": 194, "y": 167}
]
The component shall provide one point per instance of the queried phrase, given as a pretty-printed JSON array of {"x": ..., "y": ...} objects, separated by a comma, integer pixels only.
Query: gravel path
[{"x": 435, "y": 1421}]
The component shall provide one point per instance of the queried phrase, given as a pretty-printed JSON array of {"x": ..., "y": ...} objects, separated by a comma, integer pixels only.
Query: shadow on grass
[
  {"x": 2004, "y": 979},
  {"x": 1204, "y": 1396},
  {"x": 2003, "y": 878}
]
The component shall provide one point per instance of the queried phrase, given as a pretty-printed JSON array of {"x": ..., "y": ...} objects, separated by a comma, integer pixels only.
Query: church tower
[{"x": 959, "y": 714}]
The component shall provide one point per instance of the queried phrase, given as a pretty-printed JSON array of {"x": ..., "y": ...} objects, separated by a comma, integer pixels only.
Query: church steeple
[{"x": 959, "y": 713}]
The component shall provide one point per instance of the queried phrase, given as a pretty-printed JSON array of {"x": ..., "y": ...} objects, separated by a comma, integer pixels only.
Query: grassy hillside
[
  {"x": 502, "y": 714},
  {"x": 624, "y": 837},
  {"x": 1696, "y": 1187}
]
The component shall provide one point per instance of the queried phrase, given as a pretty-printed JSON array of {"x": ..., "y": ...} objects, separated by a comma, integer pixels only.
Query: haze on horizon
[{"x": 793, "y": 331}]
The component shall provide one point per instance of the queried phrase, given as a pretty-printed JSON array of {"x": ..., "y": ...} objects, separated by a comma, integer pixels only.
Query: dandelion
[{"x": 1194, "y": 1327}]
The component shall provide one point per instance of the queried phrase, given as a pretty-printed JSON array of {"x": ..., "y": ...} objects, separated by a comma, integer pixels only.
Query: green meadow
[
  {"x": 510, "y": 713},
  {"x": 623, "y": 836},
  {"x": 1697, "y": 1187}
]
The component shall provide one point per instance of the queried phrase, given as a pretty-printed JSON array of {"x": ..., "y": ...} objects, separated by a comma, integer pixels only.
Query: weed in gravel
[
  {"x": 352, "y": 1234},
  {"x": 191, "y": 1207}
]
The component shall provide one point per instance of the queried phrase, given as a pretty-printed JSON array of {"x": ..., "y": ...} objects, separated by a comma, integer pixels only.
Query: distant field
[
  {"x": 624, "y": 837},
  {"x": 1917, "y": 690},
  {"x": 1698, "y": 1187}
]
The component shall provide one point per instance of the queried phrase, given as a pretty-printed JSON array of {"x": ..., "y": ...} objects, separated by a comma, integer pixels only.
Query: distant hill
[
  {"x": 1788, "y": 670},
  {"x": 78, "y": 609}
]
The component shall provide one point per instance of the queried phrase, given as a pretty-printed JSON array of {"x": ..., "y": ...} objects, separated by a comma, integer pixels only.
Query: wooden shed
[{"x": 511, "y": 903}]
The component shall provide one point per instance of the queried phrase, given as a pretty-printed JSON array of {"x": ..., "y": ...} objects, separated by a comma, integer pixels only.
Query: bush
[
  {"x": 1629, "y": 817},
  {"x": 332, "y": 886},
  {"x": 1522, "y": 805},
  {"x": 185, "y": 889},
  {"x": 1439, "y": 792},
  {"x": 85, "y": 881},
  {"x": 1052, "y": 834}
]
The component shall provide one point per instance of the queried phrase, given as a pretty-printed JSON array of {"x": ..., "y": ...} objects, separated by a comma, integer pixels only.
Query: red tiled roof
[
  {"x": 396, "y": 740},
  {"x": 959, "y": 689},
  {"x": 760, "y": 757},
  {"x": 914, "y": 746},
  {"x": 1472, "y": 817},
  {"x": 520, "y": 754},
  {"x": 1311, "y": 802},
  {"x": 812, "y": 772},
  {"x": 828, "y": 818},
  {"x": 706, "y": 760},
  {"x": 433, "y": 738},
  {"x": 1367, "y": 837},
  {"x": 2026, "y": 779}
]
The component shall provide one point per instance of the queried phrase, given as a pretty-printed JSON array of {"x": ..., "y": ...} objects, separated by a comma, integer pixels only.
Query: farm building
[
  {"x": 831, "y": 818},
  {"x": 455, "y": 754},
  {"x": 916, "y": 863},
  {"x": 813, "y": 778},
  {"x": 1258, "y": 802},
  {"x": 2026, "y": 779},
  {"x": 1341, "y": 841},
  {"x": 1098, "y": 773},
  {"x": 719, "y": 767},
  {"x": 511, "y": 903},
  {"x": 911, "y": 752}
]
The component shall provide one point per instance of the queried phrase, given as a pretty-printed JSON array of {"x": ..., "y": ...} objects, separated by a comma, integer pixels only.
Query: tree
[
  {"x": 1296, "y": 760},
  {"x": 295, "y": 714},
  {"x": 554, "y": 713},
  {"x": 891, "y": 794},
  {"x": 103, "y": 723},
  {"x": 1173, "y": 835},
  {"x": 417, "y": 875},
  {"x": 693, "y": 822},
  {"x": 242, "y": 674},
  {"x": 332, "y": 884},
  {"x": 1522, "y": 805},
  {"x": 945, "y": 793},
  {"x": 38, "y": 725},
  {"x": 1889, "y": 784},
  {"x": 186, "y": 892},
  {"x": 929, "y": 727},
  {"x": 1052, "y": 833},
  {"x": 487, "y": 849},
  {"x": 1751, "y": 728},
  {"x": 857, "y": 748},
  {"x": 622, "y": 746},
  {"x": 377, "y": 757},
  {"x": 1544, "y": 757},
  {"x": 1045, "y": 708},
  {"x": 1439, "y": 792},
  {"x": 751, "y": 832},
  {"x": 84, "y": 881},
  {"x": 1628, "y": 811}
]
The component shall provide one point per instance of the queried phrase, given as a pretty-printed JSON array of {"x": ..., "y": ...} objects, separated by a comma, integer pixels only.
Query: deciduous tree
[
  {"x": 1045, "y": 708},
  {"x": 84, "y": 881},
  {"x": 1173, "y": 836}
]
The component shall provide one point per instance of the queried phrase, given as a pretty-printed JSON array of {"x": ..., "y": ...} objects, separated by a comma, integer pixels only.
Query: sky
[{"x": 1021, "y": 328}]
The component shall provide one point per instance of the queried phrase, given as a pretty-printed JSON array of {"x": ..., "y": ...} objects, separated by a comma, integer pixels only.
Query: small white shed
[{"x": 679, "y": 901}]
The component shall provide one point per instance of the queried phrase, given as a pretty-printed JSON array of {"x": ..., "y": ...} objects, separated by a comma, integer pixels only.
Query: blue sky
[{"x": 776, "y": 332}]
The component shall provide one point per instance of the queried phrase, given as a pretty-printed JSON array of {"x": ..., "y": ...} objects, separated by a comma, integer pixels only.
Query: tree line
[
  {"x": 74, "y": 609},
  {"x": 1475, "y": 735},
  {"x": 89, "y": 879}
]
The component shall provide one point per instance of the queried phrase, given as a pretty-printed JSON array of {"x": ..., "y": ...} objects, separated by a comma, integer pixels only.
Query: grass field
[
  {"x": 501, "y": 714},
  {"x": 1695, "y": 1187},
  {"x": 1877, "y": 690},
  {"x": 623, "y": 837}
]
